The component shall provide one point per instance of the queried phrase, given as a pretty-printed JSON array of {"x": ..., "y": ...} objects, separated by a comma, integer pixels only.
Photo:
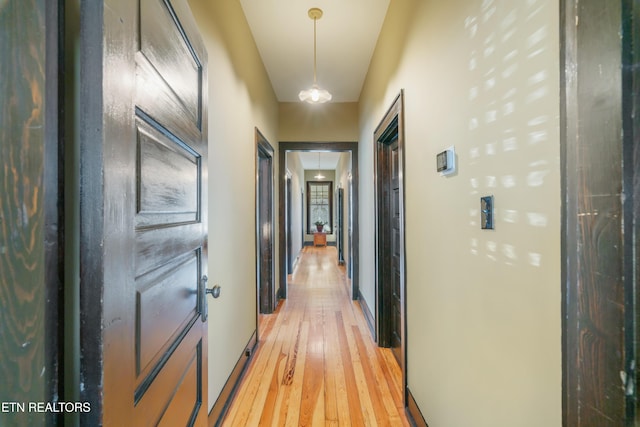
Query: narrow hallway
[{"x": 317, "y": 364}]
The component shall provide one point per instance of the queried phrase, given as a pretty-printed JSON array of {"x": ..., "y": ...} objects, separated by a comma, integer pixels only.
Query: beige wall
[
  {"x": 484, "y": 312},
  {"x": 240, "y": 99},
  {"x": 332, "y": 122}
]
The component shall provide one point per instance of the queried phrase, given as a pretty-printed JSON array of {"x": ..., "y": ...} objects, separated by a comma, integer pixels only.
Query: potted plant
[{"x": 319, "y": 224}]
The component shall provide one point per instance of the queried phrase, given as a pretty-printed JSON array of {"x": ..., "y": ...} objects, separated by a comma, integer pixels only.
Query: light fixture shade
[{"x": 314, "y": 95}]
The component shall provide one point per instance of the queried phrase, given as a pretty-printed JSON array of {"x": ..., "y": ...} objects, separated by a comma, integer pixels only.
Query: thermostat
[{"x": 446, "y": 161}]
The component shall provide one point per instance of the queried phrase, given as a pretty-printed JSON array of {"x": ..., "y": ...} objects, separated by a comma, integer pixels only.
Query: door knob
[
  {"x": 214, "y": 292},
  {"x": 203, "y": 291}
]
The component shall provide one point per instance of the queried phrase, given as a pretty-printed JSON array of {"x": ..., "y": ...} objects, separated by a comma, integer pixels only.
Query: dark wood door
[
  {"x": 340, "y": 226},
  {"x": 394, "y": 255},
  {"x": 390, "y": 267},
  {"x": 350, "y": 231},
  {"x": 288, "y": 221},
  {"x": 144, "y": 215},
  {"x": 266, "y": 262},
  {"x": 390, "y": 246}
]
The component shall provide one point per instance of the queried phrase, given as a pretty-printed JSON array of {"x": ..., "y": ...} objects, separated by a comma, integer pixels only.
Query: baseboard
[
  {"x": 221, "y": 406},
  {"x": 367, "y": 315},
  {"x": 413, "y": 412}
]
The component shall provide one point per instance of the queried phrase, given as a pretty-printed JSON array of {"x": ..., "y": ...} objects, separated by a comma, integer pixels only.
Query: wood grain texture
[
  {"x": 317, "y": 364},
  {"x": 593, "y": 244},
  {"x": 631, "y": 204},
  {"x": 25, "y": 366}
]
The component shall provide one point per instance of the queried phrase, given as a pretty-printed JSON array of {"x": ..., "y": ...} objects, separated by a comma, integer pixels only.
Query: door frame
[
  {"x": 289, "y": 209},
  {"x": 283, "y": 148},
  {"x": 600, "y": 162},
  {"x": 340, "y": 224},
  {"x": 32, "y": 226},
  {"x": 264, "y": 150},
  {"x": 393, "y": 117}
]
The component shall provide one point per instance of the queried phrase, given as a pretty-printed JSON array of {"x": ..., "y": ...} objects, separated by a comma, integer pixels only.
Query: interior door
[
  {"x": 340, "y": 227},
  {"x": 390, "y": 239},
  {"x": 390, "y": 247},
  {"x": 144, "y": 217},
  {"x": 265, "y": 227},
  {"x": 288, "y": 229}
]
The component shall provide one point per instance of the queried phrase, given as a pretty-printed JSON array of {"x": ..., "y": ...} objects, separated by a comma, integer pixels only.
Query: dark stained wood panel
[
  {"x": 143, "y": 154},
  {"x": 185, "y": 400},
  {"x": 155, "y": 398},
  {"x": 152, "y": 252},
  {"x": 631, "y": 204},
  {"x": 168, "y": 181},
  {"x": 592, "y": 245},
  {"x": 166, "y": 303},
  {"x": 163, "y": 44},
  {"x": 29, "y": 209}
]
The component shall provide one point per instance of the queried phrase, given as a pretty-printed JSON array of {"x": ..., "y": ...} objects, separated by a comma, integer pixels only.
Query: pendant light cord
[{"x": 315, "y": 20}]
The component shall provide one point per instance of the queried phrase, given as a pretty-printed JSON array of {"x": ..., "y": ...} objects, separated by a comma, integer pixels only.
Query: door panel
[
  {"x": 166, "y": 306},
  {"x": 340, "y": 226},
  {"x": 152, "y": 204},
  {"x": 169, "y": 334},
  {"x": 394, "y": 210},
  {"x": 391, "y": 266},
  {"x": 265, "y": 274},
  {"x": 166, "y": 50},
  {"x": 167, "y": 178}
]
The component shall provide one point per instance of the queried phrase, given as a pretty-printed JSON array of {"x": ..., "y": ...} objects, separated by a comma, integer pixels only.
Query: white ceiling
[
  {"x": 346, "y": 37},
  {"x": 328, "y": 160}
]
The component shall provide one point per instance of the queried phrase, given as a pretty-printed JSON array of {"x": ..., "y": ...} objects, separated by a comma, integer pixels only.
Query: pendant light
[
  {"x": 314, "y": 95},
  {"x": 319, "y": 176}
]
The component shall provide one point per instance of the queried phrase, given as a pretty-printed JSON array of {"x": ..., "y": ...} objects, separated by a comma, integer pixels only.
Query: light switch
[
  {"x": 446, "y": 161},
  {"x": 486, "y": 212}
]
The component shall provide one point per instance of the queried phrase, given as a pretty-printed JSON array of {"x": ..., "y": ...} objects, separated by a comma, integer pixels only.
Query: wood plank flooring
[{"x": 317, "y": 364}]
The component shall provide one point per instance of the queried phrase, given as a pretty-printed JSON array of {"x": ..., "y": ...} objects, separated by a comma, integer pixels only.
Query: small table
[{"x": 319, "y": 239}]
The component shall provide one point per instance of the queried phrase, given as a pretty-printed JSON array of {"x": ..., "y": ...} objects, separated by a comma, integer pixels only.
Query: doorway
[
  {"x": 265, "y": 271},
  {"x": 390, "y": 248},
  {"x": 288, "y": 147}
]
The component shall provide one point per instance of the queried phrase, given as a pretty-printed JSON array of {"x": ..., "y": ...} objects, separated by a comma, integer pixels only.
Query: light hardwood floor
[{"x": 317, "y": 364}]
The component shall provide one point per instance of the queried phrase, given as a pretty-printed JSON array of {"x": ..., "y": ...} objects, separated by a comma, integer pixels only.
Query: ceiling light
[
  {"x": 314, "y": 95},
  {"x": 319, "y": 176}
]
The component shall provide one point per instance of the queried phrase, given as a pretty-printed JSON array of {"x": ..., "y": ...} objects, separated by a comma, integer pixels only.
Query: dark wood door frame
[
  {"x": 31, "y": 213},
  {"x": 288, "y": 225},
  {"x": 264, "y": 153},
  {"x": 340, "y": 226},
  {"x": 350, "y": 147},
  {"x": 392, "y": 122},
  {"x": 600, "y": 161}
]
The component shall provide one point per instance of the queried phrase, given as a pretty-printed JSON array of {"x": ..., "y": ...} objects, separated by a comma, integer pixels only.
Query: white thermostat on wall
[{"x": 446, "y": 161}]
